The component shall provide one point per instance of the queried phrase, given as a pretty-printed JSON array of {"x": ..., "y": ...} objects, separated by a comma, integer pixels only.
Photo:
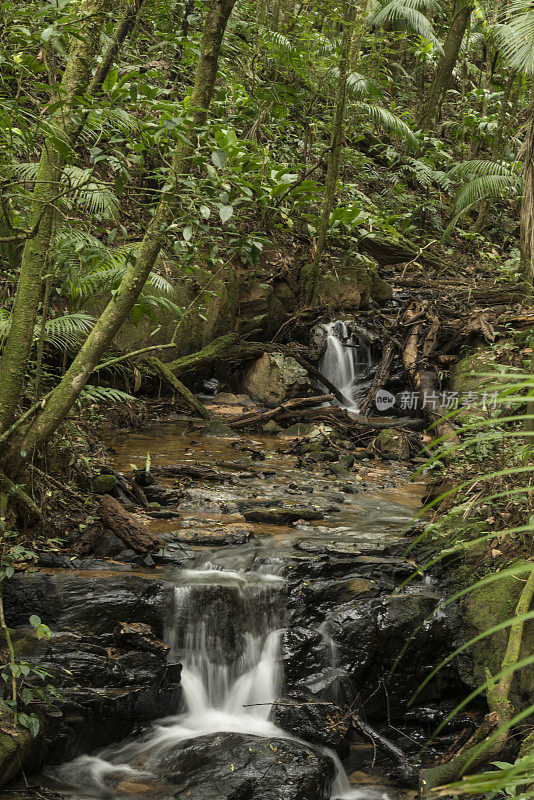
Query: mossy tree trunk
[
  {"x": 451, "y": 49},
  {"x": 74, "y": 83},
  {"x": 309, "y": 276},
  {"x": 64, "y": 396}
]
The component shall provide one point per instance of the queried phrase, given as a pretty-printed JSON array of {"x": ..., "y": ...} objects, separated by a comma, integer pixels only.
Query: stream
[{"x": 280, "y": 590}]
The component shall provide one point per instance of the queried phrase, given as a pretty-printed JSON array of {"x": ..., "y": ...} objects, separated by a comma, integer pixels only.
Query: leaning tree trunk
[
  {"x": 74, "y": 83},
  {"x": 64, "y": 396},
  {"x": 451, "y": 49},
  {"x": 309, "y": 276}
]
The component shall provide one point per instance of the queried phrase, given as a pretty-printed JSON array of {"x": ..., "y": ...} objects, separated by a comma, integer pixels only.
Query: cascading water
[
  {"x": 343, "y": 359},
  {"x": 226, "y": 632}
]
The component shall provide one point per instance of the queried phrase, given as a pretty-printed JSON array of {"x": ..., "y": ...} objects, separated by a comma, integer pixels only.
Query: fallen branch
[
  {"x": 178, "y": 387},
  {"x": 126, "y": 526},
  {"x": 289, "y": 407}
]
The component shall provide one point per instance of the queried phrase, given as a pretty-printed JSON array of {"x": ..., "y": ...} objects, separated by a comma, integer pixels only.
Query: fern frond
[
  {"x": 360, "y": 86},
  {"x": 66, "y": 331},
  {"x": 103, "y": 394},
  {"x": 516, "y": 37}
]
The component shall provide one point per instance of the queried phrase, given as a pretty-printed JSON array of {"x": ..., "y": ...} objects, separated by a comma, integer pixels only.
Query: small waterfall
[
  {"x": 344, "y": 357},
  {"x": 225, "y": 630}
]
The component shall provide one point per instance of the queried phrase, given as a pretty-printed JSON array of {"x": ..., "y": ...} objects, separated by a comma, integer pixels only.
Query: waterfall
[
  {"x": 226, "y": 631},
  {"x": 341, "y": 363}
]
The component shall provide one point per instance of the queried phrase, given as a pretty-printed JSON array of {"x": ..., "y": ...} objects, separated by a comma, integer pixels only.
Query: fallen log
[
  {"x": 222, "y": 350},
  {"x": 255, "y": 418},
  {"x": 178, "y": 387},
  {"x": 126, "y": 526}
]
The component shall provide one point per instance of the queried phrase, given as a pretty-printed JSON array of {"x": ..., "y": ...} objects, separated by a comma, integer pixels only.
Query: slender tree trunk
[
  {"x": 447, "y": 62},
  {"x": 527, "y": 207},
  {"x": 75, "y": 81},
  {"x": 309, "y": 276},
  {"x": 66, "y": 393}
]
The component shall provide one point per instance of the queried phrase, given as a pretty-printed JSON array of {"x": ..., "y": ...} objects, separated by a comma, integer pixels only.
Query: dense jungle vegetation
[{"x": 185, "y": 184}]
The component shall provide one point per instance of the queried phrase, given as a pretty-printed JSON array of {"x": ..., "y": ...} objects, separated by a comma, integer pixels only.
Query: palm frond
[
  {"x": 516, "y": 37},
  {"x": 67, "y": 331},
  {"x": 387, "y": 120},
  {"x": 487, "y": 187},
  {"x": 360, "y": 86},
  {"x": 410, "y": 15},
  {"x": 480, "y": 167},
  {"x": 103, "y": 394}
]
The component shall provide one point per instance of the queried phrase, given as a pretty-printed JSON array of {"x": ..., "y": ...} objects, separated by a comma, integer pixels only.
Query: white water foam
[{"x": 231, "y": 676}]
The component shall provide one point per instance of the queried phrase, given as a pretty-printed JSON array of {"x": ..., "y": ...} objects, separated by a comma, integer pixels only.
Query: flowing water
[
  {"x": 345, "y": 357},
  {"x": 229, "y": 607}
]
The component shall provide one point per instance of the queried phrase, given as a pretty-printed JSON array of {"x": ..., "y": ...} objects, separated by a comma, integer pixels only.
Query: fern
[
  {"x": 516, "y": 37},
  {"x": 103, "y": 394}
]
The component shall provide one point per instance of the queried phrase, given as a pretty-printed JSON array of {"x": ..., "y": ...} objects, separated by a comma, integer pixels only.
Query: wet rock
[
  {"x": 317, "y": 343},
  {"x": 274, "y": 378},
  {"x": 304, "y": 429},
  {"x": 139, "y": 636},
  {"x": 281, "y": 516},
  {"x": 104, "y": 484},
  {"x": 211, "y": 386},
  {"x": 281, "y": 769},
  {"x": 217, "y": 428},
  {"x": 393, "y": 444},
  {"x": 307, "y": 660},
  {"x": 162, "y": 494},
  {"x": 312, "y": 720},
  {"x": 232, "y": 534},
  {"x": 79, "y": 602},
  {"x": 271, "y": 428},
  {"x": 227, "y": 399},
  {"x": 166, "y": 513},
  {"x": 173, "y": 553},
  {"x": 106, "y": 544}
]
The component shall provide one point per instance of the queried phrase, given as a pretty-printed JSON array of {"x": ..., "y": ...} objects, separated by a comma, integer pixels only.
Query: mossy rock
[
  {"x": 14, "y": 752},
  {"x": 467, "y": 372},
  {"x": 352, "y": 286},
  {"x": 217, "y": 428},
  {"x": 393, "y": 444},
  {"x": 104, "y": 484},
  {"x": 482, "y": 609}
]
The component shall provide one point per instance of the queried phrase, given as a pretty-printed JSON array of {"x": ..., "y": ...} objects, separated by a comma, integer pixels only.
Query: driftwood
[
  {"x": 126, "y": 526},
  {"x": 289, "y": 407},
  {"x": 405, "y": 769},
  {"x": 381, "y": 376},
  {"x": 178, "y": 387},
  {"x": 314, "y": 372}
]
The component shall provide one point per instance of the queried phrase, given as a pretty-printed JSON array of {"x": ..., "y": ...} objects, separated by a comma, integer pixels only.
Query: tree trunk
[
  {"x": 75, "y": 81},
  {"x": 309, "y": 277},
  {"x": 527, "y": 207},
  {"x": 65, "y": 394},
  {"x": 178, "y": 387},
  {"x": 447, "y": 62}
]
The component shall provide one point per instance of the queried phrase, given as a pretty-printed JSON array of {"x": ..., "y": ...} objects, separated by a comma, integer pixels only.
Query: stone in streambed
[
  {"x": 223, "y": 765},
  {"x": 232, "y": 534},
  {"x": 281, "y": 516},
  {"x": 139, "y": 636},
  {"x": 314, "y": 721},
  {"x": 274, "y": 378},
  {"x": 393, "y": 444},
  {"x": 104, "y": 484},
  {"x": 271, "y": 428},
  {"x": 217, "y": 428}
]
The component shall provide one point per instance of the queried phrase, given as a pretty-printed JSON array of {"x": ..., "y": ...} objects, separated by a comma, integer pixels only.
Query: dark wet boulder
[
  {"x": 281, "y": 515},
  {"x": 139, "y": 636},
  {"x": 307, "y": 656},
  {"x": 312, "y": 720},
  {"x": 79, "y": 602},
  {"x": 228, "y": 765}
]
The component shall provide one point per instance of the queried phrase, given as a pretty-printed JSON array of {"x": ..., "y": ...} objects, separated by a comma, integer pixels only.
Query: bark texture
[
  {"x": 66, "y": 393},
  {"x": 451, "y": 49},
  {"x": 74, "y": 83}
]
